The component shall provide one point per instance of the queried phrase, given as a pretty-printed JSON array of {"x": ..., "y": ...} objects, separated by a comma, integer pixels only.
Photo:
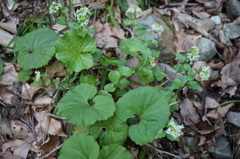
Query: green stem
[
  {"x": 105, "y": 71},
  {"x": 178, "y": 91},
  {"x": 231, "y": 101},
  {"x": 70, "y": 130}
]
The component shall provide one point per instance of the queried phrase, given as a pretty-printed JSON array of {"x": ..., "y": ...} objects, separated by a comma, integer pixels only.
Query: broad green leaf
[
  {"x": 159, "y": 74},
  {"x": 109, "y": 87},
  {"x": 36, "y": 48},
  {"x": 114, "y": 151},
  {"x": 110, "y": 131},
  {"x": 140, "y": 31},
  {"x": 151, "y": 108},
  {"x": 134, "y": 46},
  {"x": 160, "y": 134},
  {"x": 80, "y": 105},
  {"x": 74, "y": 51},
  {"x": 79, "y": 146},
  {"x": 125, "y": 71},
  {"x": 127, "y": 22},
  {"x": 89, "y": 79},
  {"x": 106, "y": 61},
  {"x": 24, "y": 75},
  {"x": 114, "y": 76},
  {"x": 123, "y": 83},
  {"x": 181, "y": 58},
  {"x": 1, "y": 66},
  {"x": 194, "y": 85}
]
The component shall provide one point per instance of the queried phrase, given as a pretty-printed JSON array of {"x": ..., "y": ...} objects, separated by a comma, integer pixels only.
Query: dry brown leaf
[
  {"x": 44, "y": 100},
  {"x": 12, "y": 144},
  {"x": 231, "y": 91},
  {"x": 214, "y": 65},
  {"x": 19, "y": 129},
  {"x": 6, "y": 97},
  {"x": 10, "y": 76},
  {"x": 55, "y": 128},
  {"x": 201, "y": 15},
  {"x": 202, "y": 1},
  {"x": 5, "y": 128},
  {"x": 204, "y": 128},
  {"x": 210, "y": 103},
  {"x": 51, "y": 144},
  {"x": 9, "y": 155},
  {"x": 54, "y": 68},
  {"x": 58, "y": 27},
  {"x": 213, "y": 114},
  {"x": 189, "y": 113},
  {"x": 22, "y": 150},
  {"x": 202, "y": 140},
  {"x": 28, "y": 91},
  {"x": 5, "y": 38},
  {"x": 220, "y": 112},
  {"x": 11, "y": 27},
  {"x": 185, "y": 41}
]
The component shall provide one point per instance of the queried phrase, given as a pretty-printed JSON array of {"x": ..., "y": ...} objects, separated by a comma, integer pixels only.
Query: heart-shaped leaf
[
  {"x": 36, "y": 48},
  {"x": 114, "y": 151},
  {"x": 110, "y": 131},
  {"x": 79, "y": 146},
  {"x": 149, "y": 109},
  {"x": 80, "y": 106},
  {"x": 74, "y": 51}
]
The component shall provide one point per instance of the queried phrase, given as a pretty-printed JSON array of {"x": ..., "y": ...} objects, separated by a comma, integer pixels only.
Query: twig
[
  {"x": 163, "y": 152},
  {"x": 168, "y": 79},
  {"x": 178, "y": 4},
  {"x": 55, "y": 116},
  {"x": 173, "y": 103},
  {"x": 51, "y": 152}
]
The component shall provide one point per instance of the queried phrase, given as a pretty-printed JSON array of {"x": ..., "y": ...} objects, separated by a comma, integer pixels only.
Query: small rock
[
  {"x": 214, "y": 75},
  {"x": 216, "y": 19},
  {"x": 205, "y": 156},
  {"x": 192, "y": 143},
  {"x": 207, "y": 49},
  {"x": 233, "y": 9},
  {"x": 169, "y": 70},
  {"x": 165, "y": 42},
  {"x": 234, "y": 118},
  {"x": 221, "y": 150},
  {"x": 232, "y": 31}
]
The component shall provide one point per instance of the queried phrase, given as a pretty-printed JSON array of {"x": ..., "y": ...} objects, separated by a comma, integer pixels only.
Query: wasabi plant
[{"x": 101, "y": 102}]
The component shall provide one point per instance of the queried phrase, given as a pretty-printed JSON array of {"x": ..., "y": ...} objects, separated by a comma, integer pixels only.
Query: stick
[
  {"x": 51, "y": 152},
  {"x": 163, "y": 152}
]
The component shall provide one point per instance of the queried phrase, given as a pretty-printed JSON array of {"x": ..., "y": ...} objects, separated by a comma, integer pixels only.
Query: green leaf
[
  {"x": 194, "y": 85},
  {"x": 160, "y": 134},
  {"x": 134, "y": 46},
  {"x": 159, "y": 74},
  {"x": 181, "y": 58},
  {"x": 152, "y": 109},
  {"x": 125, "y": 71},
  {"x": 90, "y": 79},
  {"x": 114, "y": 76},
  {"x": 1, "y": 66},
  {"x": 62, "y": 20},
  {"x": 140, "y": 31},
  {"x": 74, "y": 51},
  {"x": 36, "y": 48},
  {"x": 127, "y": 22},
  {"x": 110, "y": 131},
  {"x": 24, "y": 75},
  {"x": 37, "y": 83},
  {"x": 123, "y": 83},
  {"x": 80, "y": 106},
  {"x": 109, "y": 87},
  {"x": 106, "y": 61},
  {"x": 79, "y": 146},
  {"x": 114, "y": 151}
]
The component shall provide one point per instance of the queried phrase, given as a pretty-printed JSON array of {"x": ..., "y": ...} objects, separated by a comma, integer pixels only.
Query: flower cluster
[
  {"x": 174, "y": 129},
  {"x": 38, "y": 75},
  {"x": 152, "y": 61},
  {"x": 205, "y": 73},
  {"x": 192, "y": 54},
  {"x": 54, "y": 8},
  {"x": 156, "y": 28},
  {"x": 83, "y": 16},
  {"x": 134, "y": 11}
]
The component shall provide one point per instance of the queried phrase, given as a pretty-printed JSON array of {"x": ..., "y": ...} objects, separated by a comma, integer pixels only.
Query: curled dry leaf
[
  {"x": 10, "y": 76},
  {"x": 55, "y": 128},
  {"x": 22, "y": 150},
  {"x": 220, "y": 112},
  {"x": 218, "y": 65},
  {"x": 28, "y": 91},
  {"x": 11, "y": 27},
  {"x": 231, "y": 91},
  {"x": 210, "y": 103},
  {"x": 12, "y": 144},
  {"x": 189, "y": 113},
  {"x": 5, "y": 38}
]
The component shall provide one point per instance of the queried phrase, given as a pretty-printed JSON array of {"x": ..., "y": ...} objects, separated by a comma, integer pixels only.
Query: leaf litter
[{"x": 203, "y": 119}]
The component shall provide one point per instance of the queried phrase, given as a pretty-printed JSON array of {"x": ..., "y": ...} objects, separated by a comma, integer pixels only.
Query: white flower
[
  {"x": 38, "y": 75},
  {"x": 134, "y": 11},
  {"x": 54, "y": 8},
  {"x": 205, "y": 73},
  {"x": 174, "y": 129},
  {"x": 156, "y": 28},
  {"x": 192, "y": 54},
  {"x": 152, "y": 61},
  {"x": 82, "y": 16},
  {"x": 82, "y": 12}
]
